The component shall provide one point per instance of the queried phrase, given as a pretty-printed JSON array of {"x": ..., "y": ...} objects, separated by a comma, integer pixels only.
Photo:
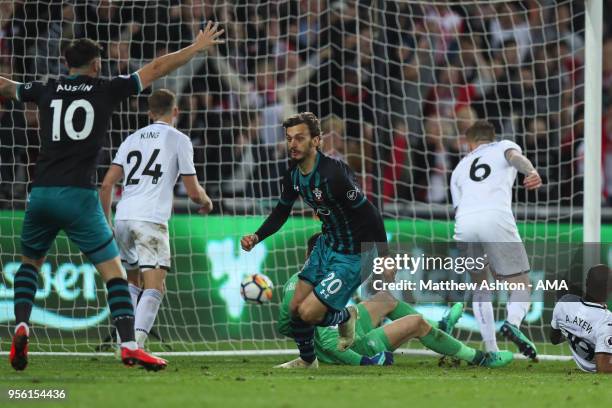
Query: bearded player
[
  {"x": 586, "y": 323},
  {"x": 74, "y": 116},
  {"x": 350, "y": 224},
  {"x": 481, "y": 187},
  {"x": 374, "y": 343}
]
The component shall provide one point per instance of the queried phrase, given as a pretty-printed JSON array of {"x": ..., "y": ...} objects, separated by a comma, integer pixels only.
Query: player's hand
[
  {"x": 209, "y": 36},
  {"x": 249, "y": 241},
  {"x": 532, "y": 180},
  {"x": 207, "y": 207},
  {"x": 384, "y": 358}
]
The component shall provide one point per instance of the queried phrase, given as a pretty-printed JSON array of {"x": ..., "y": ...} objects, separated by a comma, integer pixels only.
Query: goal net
[{"x": 395, "y": 84}]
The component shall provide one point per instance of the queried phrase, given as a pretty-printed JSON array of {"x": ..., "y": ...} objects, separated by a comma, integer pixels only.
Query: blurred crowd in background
[{"x": 396, "y": 84}]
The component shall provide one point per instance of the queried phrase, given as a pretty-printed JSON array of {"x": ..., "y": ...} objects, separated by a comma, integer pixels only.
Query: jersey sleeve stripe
[
  {"x": 18, "y": 92},
  {"x": 137, "y": 79},
  {"x": 188, "y": 174},
  {"x": 117, "y": 164}
]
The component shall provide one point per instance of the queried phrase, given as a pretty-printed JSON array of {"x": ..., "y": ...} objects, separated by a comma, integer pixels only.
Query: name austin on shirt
[
  {"x": 580, "y": 323},
  {"x": 74, "y": 88}
]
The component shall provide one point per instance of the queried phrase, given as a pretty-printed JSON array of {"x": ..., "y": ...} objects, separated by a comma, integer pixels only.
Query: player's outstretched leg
[
  {"x": 451, "y": 317},
  {"x": 25, "y": 285},
  {"x": 442, "y": 343},
  {"x": 516, "y": 310},
  {"x": 346, "y": 330},
  {"x": 483, "y": 312},
  {"x": 303, "y": 334},
  {"x": 122, "y": 313},
  {"x": 406, "y": 328},
  {"x": 514, "y": 334}
]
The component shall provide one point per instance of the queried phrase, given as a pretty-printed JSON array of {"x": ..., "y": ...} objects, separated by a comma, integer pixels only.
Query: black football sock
[
  {"x": 25, "y": 285},
  {"x": 121, "y": 308},
  {"x": 303, "y": 334}
]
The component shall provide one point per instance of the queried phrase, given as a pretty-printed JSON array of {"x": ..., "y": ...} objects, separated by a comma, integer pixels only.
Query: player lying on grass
[
  {"x": 152, "y": 158},
  {"x": 374, "y": 344},
  {"x": 74, "y": 116},
  {"x": 353, "y": 234},
  {"x": 586, "y": 323},
  {"x": 481, "y": 187}
]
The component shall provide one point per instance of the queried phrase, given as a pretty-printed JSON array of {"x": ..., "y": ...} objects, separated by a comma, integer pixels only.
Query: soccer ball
[{"x": 256, "y": 288}]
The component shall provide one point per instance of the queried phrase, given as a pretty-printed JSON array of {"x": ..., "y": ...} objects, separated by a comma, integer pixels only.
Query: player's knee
[
  {"x": 309, "y": 314},
  {"x": 423, "y": 326},
  {"x": 293, "y": 307}
]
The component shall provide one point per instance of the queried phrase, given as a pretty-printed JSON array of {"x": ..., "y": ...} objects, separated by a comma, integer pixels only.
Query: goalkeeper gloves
[{"x": 384, "y": 358}]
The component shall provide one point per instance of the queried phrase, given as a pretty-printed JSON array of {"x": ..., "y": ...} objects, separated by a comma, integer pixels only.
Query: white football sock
[
  {"x": 483, "y": 312},
  {"x": 517, "y": 307},
  {"x": 134, "y": 293},
  {"x": 131, "y": 345},
  {"x": 146, "y": 312}
]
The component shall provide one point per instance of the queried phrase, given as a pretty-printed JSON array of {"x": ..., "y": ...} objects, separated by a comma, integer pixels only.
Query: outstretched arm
[
  {"x": 165, "y": 64},
  {"x": 112, "y": 177},
  {"x": 8, "y": 88},
  {"x": 523, "y": 165},
  {"x": 275, "y": 220}
]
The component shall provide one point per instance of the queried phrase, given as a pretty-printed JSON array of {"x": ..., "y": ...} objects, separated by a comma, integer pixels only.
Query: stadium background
[{"x": 395, "y": 83}]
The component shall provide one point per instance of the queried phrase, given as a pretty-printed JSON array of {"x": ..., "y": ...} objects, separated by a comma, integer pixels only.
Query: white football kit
[
  {"x": 481, "y": 189},
  {"x": 586, "y": 326},
  {"x": 152, "y": 158}
]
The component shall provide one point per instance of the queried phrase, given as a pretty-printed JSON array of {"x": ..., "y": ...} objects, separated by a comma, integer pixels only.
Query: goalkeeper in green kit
[{"x": 374, "y": 344}]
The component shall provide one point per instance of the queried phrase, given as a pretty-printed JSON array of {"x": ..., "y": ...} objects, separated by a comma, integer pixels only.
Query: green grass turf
[{"x": 251, "y": 382}]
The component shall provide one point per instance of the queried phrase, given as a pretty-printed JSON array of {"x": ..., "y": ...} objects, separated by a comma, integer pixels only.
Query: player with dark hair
[
  {"x": 353, "y": 233},
  {"x": 586, "y": 323},
  {"x": 375, "y": 342},
  {"x": 74, "y": 116}
]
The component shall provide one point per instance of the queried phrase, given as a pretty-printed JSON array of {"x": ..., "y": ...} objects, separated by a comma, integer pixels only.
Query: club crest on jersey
[
  {"x": 296, "y": 188},
  {"x": 608, "y": 341},
  {"x": 27, "y": 86},
  {"x": 318, "y": 194},
  {"x": 352, "y": 194}
]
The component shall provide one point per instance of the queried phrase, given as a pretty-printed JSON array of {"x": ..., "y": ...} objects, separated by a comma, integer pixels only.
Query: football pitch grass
[{"x": 251, "y": 382}]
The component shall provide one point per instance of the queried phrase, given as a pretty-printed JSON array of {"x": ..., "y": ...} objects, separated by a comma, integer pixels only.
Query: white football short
[
  {"x": 493, "y": 233},
  {"x": 143, "y": 244}
]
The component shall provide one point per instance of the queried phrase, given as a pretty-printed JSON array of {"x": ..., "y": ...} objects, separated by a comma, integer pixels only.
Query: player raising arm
[
  {"x": 74, "y": 114},
  {"x": 481, "y": 187},
  {"x": 350, "y": 224},
  {"x": 586, "y": 323},
  {"x": 153, "y": 158},
  {"x": 375, "y": 343}
]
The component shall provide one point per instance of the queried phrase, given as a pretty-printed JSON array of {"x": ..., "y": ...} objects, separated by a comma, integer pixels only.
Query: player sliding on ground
[
  {"x": 74, "y": 114},
  {"x": 481, "y": 187},
  {"x": 586, "y": 323},
  {"x": 333, "y": 271},
  {"x": 375, "y": 343},
  {"x": 153, "y": 158}
]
